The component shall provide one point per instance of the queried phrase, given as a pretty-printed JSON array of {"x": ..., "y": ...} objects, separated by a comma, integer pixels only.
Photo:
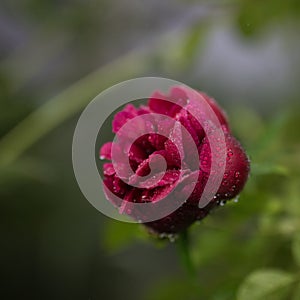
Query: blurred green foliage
[
  {"x": 55, "y": 244},
  {"x": 254, "y": 14}
]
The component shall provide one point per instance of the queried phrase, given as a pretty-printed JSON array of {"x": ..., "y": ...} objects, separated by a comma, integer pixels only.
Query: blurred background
[{"x": 56, "y": 56}]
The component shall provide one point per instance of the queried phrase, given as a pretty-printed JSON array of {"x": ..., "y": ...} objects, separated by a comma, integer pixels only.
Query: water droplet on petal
[{"x": 237, "y": 174}]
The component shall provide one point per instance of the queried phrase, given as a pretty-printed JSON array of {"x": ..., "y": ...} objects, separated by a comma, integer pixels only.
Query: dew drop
[
  {"x": 162, "y": 235},
  {"x": 233, "y": 188},
  {"x": 225, "y": 182},
  {"x": 171, "y": 238}
]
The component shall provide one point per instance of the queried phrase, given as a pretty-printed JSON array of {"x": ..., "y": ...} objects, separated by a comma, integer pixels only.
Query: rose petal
[
  {"x": 108, "y": 169},
  {"x": 105, "y": 151}
]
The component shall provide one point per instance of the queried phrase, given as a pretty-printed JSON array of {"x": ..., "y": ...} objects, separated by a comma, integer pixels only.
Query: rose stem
[{"x": 183, "y": 245}]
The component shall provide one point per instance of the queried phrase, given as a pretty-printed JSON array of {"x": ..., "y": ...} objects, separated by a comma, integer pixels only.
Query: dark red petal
[
  {"x": 158, "y": 103},
  {"x": 157, "y": 141},
  {"x": 167, "y": 104},
  {"x": 137, "y": 153},
  {"x": 236, "y": 171},
  {"x": 169, "y": 177}
]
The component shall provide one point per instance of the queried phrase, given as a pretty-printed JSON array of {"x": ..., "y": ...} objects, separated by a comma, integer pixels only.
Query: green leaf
[
  {"x": 296, "y": 248},
  {"x": 265, "y": 284}
]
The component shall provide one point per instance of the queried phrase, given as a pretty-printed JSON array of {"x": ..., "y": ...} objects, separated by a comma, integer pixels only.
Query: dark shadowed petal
[
  {"x": 157, "y": 141},
  {"x": 137, "y": 153}
]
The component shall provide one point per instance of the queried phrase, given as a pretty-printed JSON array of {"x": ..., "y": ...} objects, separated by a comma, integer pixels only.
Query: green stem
[{"x": 183, "y": 244}]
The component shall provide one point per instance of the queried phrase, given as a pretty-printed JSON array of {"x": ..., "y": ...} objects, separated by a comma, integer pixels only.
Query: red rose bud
[{"x": 167, "y": 142}]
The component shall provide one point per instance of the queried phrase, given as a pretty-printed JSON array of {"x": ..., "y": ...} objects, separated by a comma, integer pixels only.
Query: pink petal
[
  {"x": 105, "y": 151},
  {"x": 108, "y": 169}
]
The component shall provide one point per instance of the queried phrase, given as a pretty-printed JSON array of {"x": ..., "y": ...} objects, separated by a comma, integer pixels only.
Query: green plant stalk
[{"x": 183, "y": 245}]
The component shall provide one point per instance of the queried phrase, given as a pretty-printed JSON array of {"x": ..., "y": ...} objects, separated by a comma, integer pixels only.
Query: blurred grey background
[{"x": 54, "y": 244}]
